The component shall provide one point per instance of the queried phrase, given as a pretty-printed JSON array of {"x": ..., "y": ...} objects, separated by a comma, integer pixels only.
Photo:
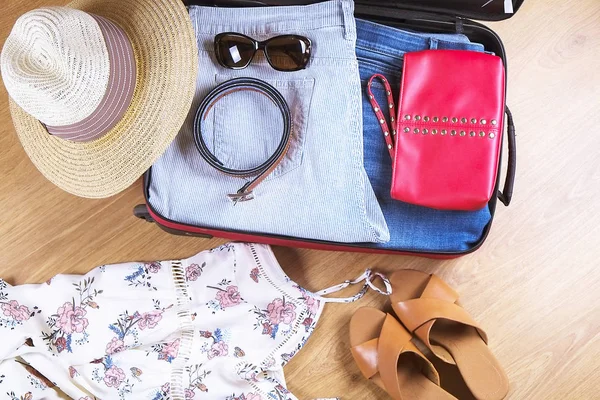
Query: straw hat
[{"x": 100, "y": 88}]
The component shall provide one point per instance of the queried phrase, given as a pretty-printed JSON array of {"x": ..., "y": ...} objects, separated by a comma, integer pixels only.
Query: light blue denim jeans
[
  {"x": 321, "y": 189},
  {"x": 380, "y": 49}
]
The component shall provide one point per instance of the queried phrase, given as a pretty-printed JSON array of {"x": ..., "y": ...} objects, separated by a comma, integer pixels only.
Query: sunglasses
[{"x": 284, "y": 53}]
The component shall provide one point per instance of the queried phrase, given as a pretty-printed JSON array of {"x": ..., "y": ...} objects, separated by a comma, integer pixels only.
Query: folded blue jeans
[
  {"x": 320, "y": 190},
  {"x": 380, "y": 49}
]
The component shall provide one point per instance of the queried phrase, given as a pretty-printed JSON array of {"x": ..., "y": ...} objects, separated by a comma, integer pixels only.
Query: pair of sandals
[{"x": 426, "y": 306}]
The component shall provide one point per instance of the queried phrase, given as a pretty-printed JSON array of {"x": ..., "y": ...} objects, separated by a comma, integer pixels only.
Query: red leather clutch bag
[{"x": 449, "y": 129}]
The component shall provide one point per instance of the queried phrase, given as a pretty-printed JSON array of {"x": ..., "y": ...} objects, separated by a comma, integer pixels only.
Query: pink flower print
[
  {"x": 153, "y": 267},
  {"x": 169, "y": 351},
  {"x": 166, "y": 388},
  {"x": 114, "y": 376},
  {"x": 250, "y": 374},
  {"x": 114, "y": 346},
  {"x": 193, "y": 272},
  {"x": 60, "y": 344},
  {"x": 16, "y": 311},
  {"x": 253, "y": 396},
  {"x": 71, "y": 318},
  {"x": 281, "y": 312},
  {"x": 312, "y": 304},
  {"x": 281, "y": 389},
  {"x": 150, "y": 319},
  {"x": 267, "y": 329},
  {"x": 189, "y": 394},
  {"x": 229, "y": 297},
  {"x": 269, "y": 362},
  {"x": 307, "y": 322},
  {"x": 218, "y": 349}
]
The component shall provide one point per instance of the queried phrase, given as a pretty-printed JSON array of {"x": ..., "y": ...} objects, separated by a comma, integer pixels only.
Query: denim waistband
[
  {"x": 278, "y": 19},
  {"x": 395, "y": 42}
]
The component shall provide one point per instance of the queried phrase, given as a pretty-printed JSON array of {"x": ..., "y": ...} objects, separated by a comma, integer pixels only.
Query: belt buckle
[{"x": 241, "y": 197}]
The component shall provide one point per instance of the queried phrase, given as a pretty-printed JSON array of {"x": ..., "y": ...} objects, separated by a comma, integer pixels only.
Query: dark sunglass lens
[
  {"x": 234, "y": 51},
  {"x": 288, "y": 53}
]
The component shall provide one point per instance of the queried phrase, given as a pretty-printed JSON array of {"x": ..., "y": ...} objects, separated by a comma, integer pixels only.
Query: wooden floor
[{"x": 534, "y": 285}]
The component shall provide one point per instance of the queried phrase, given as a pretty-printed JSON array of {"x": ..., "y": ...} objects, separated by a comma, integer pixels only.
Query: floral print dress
[{"x": 219, "y": 325}]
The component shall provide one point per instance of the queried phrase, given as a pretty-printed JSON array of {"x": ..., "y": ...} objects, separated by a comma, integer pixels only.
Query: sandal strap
[
  {"x": 417, "y": 312},
  {"x": 393, "y": 341},
  {"x": 365, "y": 356},
  {"x": 438, "y": 289},
  {"x": 381, "y": 355},
  {"x": 438, "y": 300}
]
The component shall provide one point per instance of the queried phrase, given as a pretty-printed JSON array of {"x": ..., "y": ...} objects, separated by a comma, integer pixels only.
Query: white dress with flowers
[{"x": 219, "y": 325}]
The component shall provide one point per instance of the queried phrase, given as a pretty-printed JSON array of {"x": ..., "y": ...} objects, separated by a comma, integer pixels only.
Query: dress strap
[{"x": 366, "y": 279}]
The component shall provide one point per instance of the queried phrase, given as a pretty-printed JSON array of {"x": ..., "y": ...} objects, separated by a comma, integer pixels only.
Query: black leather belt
[{"x": 262, "y": 171}]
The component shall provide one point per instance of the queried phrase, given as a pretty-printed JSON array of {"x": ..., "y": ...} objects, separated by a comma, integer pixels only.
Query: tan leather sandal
[
  {"x": 384, "y": 353},
  {"x": 427, "y": 307}
]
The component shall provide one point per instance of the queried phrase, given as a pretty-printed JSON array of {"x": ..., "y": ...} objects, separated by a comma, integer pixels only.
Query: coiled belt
[{"x": 262, "y": 171}]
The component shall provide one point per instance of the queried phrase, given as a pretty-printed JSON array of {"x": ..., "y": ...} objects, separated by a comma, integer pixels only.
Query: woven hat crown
[
  {"x": 55, "y": 65},
  {"x": 99, "y": 90}
]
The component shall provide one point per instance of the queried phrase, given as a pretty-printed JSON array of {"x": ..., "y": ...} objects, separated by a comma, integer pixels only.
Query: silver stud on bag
[
  {"x": 425, "y": 131},
  {"x": 407, "y": 117},
  {"x": 388, "y": 92},
  {"x": 492, "y": 135},
  {"x": 434, "y": 131},
  {"x": 463, "y": 133},
  {"x": 463, "y": 120},
  {"x": 417, "y": 117},
  {"x": 493, "y": 122},
  {"x": 435, "y": 119},
  {"x": 376, "y": 109},
  {"x": 394, "y": 133},
  {"x": 416, "y": 130},
  {"x": 454, "y": 119},
  {"x": 444, "y": 132},
  {"x": 391, "y": 106},
  {"x": 370, "y": 97},
  {"x": 426, "y": 119},
  {"x": 472, "y": 133},
  {"x": 407, "y": 129},
  {"x": 483, "y": 121},
  {"x": 482, "y": 134},
  {"x": 473, "y": 120},
  {"x": 445, "y": 119},
  {"x": 386, "y": 133},
  {"x": 393, "y": 119},
  {"x": 381, "y": 121},
  {"x": 452, "y": 132},
  {"x": 389, "y": 146}
]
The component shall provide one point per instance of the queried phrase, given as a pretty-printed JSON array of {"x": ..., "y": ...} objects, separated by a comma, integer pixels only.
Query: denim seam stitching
[{"x": 357, "y": 148}]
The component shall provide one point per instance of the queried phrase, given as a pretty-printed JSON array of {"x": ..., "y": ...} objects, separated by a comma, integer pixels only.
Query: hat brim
[{"x": 166, "y": 56}]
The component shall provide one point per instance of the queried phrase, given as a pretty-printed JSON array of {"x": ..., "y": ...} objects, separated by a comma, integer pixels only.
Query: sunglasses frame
[{"x": 258, "y": 45}]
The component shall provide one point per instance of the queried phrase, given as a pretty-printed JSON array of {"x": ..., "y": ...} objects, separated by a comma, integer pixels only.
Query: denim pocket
[
  {"x": 248, "y": 126},
  {"x": 377, "y": 67},
  {"x": 379, "y": 62}
]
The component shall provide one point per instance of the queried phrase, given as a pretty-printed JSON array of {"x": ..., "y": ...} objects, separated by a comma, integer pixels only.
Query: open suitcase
[{"x": 440, "y": 16}]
